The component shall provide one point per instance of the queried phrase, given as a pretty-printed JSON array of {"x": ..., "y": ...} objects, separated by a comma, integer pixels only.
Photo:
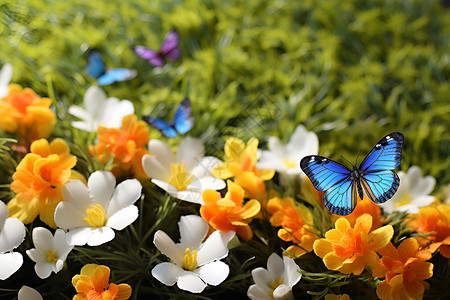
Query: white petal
[
  {"x": 205, "y": 166},
  {"x": 43, "y": 270},
  {"x": 191, "y": 151},
  {"x": 270, "y": 161},
  {"x": 77, "y": 193},
  {"x": 127, "y": 192},
  {"x": 162, "y": 152},
  {"x": 207, "y": 183},
  {"x": 291, "y": 272},
  {"x": 167, "y": 247},
  {"x": 262, "y": 279},
  {"x": 101, "y": 187},
  {"x": 255, "y": 293},
  {"x": 215, "y": 247},
  {"x": 188, "y": 281},
  {"x": 167, "y": 273},
  {"x": 6, "y": 75},
  {"x": 3, "y": 213},
  {"x": 283, "y": 292},
  {"x": 61, "y": 247},
  {"x": 12, "y": 234},
  {"x": 79, "y": 236},
  {"x": 123, "y": 217},
  {"x": 43, "y": 239},
  {"x": 193, "y": 196},
  {"x": 193, "y": 230},
  {"x": 27, "y": 293},
  {"x": 69, "y": 216},
  {"x": 275, "y": 266},
  {"x": 86, "y": 126},
  {"x": 93, "y": 100},
  {"x": 165, "y": 186},
  {"x": 276, "y": 147},
  {"x": 213, "y": 273},
  {"x": 302, "y": 142},
  {"x": 100, "y": 236},
  {"x": 419, "y": 185},
  {"x": 81, "y": 113},
  {"x": 37, "y": 255},
  {"x": 113, "y": 112},
  {"x": 156, "y": 169},
  {"x": 10, "y": 262}
]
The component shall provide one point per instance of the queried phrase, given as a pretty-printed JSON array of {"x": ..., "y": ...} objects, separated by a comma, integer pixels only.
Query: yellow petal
[
  {"x": 380, "y": 237},
  {"x": 333, "y": 235},
  {"x": 322, "y": 247},
  {"x": 124, "y": 292},
  {"x": 59, "y": 146},
  {"x": 40, "y": 147},
  {"x": 408, "y": 248},
  {"x": 265, "y": 174},
  {"x": 251, "y": 209},
  {"x": 222, "y": 171},
  {"x": 332, "y": 261},
  {"x": 342, "y": 224},
  {"x": 364, "y": 223},
  {"x": 88, "y": 269},
  {"x": 234, "y": 149},
  {"x": 25, "y": 212}
]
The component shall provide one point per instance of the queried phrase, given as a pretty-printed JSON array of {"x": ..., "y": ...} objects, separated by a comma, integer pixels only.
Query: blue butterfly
[
  {"x": 182, "y": 122},
  {"x": 374, "y": 175},
  {"x": 96, "y": 68}
]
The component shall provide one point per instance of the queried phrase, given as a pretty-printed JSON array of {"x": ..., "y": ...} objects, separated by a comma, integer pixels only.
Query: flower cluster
[{"x": 248, "y": 219}]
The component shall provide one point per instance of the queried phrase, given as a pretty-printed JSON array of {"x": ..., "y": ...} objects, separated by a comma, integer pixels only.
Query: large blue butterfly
[
  {"x": 182, "y": 122},
  {"x": 374, "y": 175},
  {"x": 96, "y": 68}
]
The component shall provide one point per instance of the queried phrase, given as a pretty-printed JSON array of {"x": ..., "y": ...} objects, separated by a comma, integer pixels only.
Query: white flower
[
  {"x": 186, "y": 176},
  {"x": 412, "y": 192},
  {"x": 5, "y": 78},
  {"x": 91, "y": 213},
  {"x": 50, "y": 252},
  {"x": 286, "y": 158},
  {"x": 27, "y": 293},
  {"x": 279, "y": 278},
  {"x": 194, "y": 264},
  {"x": 100, "y": 111},
  {"x": 12, "y": 234}
]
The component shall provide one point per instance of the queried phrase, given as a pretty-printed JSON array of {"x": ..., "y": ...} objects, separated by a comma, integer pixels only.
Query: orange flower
[
  {"x": 337, "y": 297},
  {"x": 405, "y": 269},
  {"x": 295, "y": 222},
  {"x": 25, "y": 113},
  {"x": 436, "y": 219},
  {"x": 38, "y": 180},
  {"x": 126, "y": 146},
  {"x": 228, "y": 213},
  {"x": 92, "y": 284},
  {"x": 350, "y": 250},
  {"x": 362, "y": 207},
  {"x": 240, "y": 158}
]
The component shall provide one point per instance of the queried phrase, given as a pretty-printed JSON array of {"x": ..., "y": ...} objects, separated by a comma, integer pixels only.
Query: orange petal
[
  {"x": 100, "y": 278},
  {"x": 408, "y": 248}
]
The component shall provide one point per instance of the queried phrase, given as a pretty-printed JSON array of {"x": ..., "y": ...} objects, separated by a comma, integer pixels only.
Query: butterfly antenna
[
  {"x": 347, "y": 160},
  {"x": 356, "y": 163}
]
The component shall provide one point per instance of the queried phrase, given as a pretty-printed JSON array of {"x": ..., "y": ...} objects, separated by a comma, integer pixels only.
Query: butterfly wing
[
  {"x": 95, "y": 66},
  {"x": 165, "y": 128},
  {"x": 169, "y": 46},
  {"x": 116, "y": 75},
  {"x": 152, "y": 56},
  {"x": 333, "y": 178},
  {"x": 183, "y": 120},
  {"x": 377, "y": 178}
]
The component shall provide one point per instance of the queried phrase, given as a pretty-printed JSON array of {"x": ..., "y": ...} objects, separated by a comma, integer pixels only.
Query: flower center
[
  {"x": 51, "y": 256},
  {"x": 180, "y": 178},
  {"x": 289, "y": 163},
  {"x": 95, "y": 216},
  {"x": 406, "y": 199},
  {"x": 275, "y": 284},
  {"x": 190, "y": 260}
]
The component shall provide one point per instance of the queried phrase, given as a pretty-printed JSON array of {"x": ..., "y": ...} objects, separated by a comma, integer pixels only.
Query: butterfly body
[
  {"x": 182, "y": 122},
  {"x": 96, "y": 68},
  {"x": 169, "y": 50},
  {"x": 374, "y": 176}
]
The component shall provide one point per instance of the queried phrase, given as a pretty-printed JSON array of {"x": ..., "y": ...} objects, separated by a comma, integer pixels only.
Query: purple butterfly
[{"x": 169, "y": 50}]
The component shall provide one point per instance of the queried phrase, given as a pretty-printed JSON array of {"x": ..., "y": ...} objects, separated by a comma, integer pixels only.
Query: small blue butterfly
[
  {"x": 96, "y": 68},
  {"x": 374, "y": 175},
  {"x": 182, "y": 122}
]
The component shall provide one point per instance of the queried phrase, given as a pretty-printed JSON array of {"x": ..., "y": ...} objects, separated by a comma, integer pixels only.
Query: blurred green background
[{"x": 351, "y": 71}]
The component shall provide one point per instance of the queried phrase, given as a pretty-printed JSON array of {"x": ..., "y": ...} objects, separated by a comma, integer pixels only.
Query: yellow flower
[
  {"x": 337, "y": 297},
  {"x": 240, "y": 158},
  {"x": 125, "y": 145},
  {"x": 350, "y": 250},
  {"x": 295, "y": 224},
  {"x": 229, "y": 213},
  {"x": 25, "y": 113},
  {"x": 38, "y": 180},
  {"x": 92, "y": 284},
  {"x": 405, "y": 268}
]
